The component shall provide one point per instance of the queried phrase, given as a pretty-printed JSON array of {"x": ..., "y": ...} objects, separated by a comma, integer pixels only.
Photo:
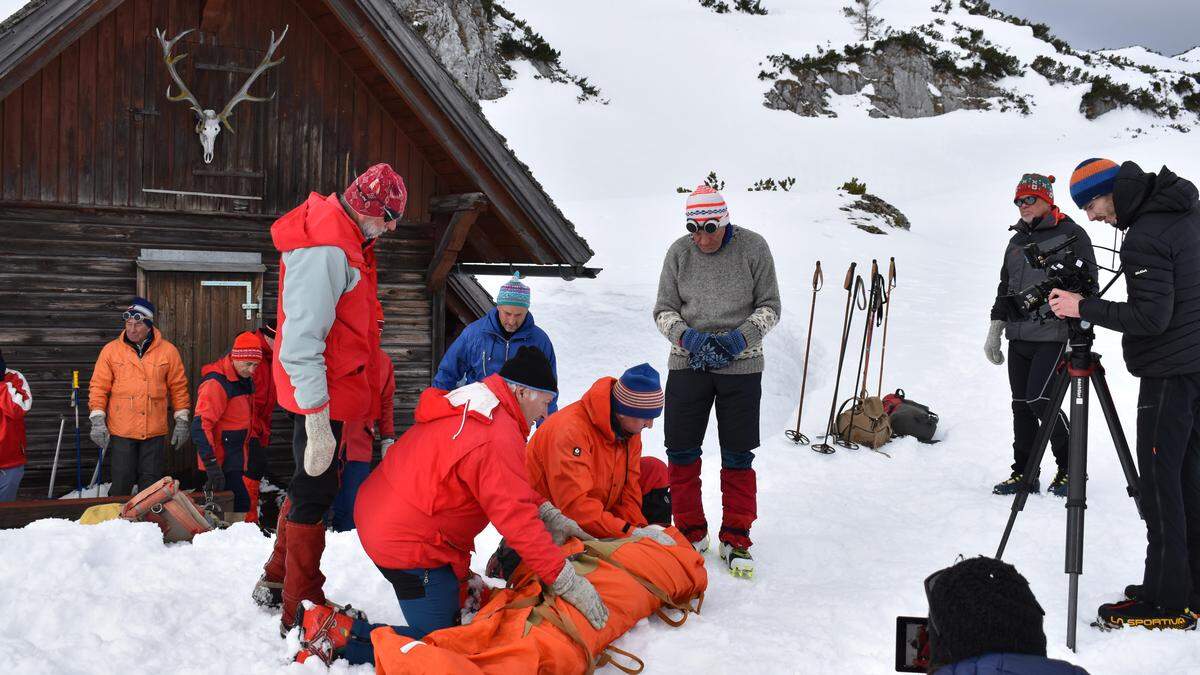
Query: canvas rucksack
[{"x": 872, "y": 427}]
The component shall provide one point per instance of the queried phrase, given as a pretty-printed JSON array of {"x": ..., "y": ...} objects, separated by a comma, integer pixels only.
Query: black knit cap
[
  {"x": 268, "y": 328},
  {"x": 531, "y": 369},
  {"x": 981, "y": 606}
]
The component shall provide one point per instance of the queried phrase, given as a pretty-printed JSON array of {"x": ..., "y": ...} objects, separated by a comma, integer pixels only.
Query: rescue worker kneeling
[
  {"x": 457, "y": 468},
  {"x": 224, "y": 415}
]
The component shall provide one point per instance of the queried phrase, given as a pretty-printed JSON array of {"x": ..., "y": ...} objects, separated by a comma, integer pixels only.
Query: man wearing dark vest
[
  {"x": 1034, "y": 346},
  {"x": 327, "y": 339}
]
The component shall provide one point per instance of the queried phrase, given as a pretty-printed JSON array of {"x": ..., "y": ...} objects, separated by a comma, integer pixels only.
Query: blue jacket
[
  {"x": 481, "y": 350},
  {"x": 1011, "y": 664}
]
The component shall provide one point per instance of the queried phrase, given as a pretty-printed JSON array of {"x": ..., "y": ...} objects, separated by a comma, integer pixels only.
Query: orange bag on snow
[{"x": 526, "y": 629}]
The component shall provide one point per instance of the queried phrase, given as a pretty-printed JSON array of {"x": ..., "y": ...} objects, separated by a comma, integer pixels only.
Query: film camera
[{"x": 1063, "y": 270}]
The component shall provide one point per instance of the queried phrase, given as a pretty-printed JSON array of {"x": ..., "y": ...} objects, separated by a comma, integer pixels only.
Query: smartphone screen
[{"x": 912, "y": 644}]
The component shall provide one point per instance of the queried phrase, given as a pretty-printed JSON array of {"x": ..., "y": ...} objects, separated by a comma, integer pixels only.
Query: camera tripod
[{"x": 1079, "y": 366}]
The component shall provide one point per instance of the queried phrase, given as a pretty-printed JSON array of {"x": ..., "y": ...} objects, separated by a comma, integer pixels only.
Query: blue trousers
[
  {"x": 353, "y": 475},
  {"x": 10, "y": 480},
  {"x": 429, "y": 599}
]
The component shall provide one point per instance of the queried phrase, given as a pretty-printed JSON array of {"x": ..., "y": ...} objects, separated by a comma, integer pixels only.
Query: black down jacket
[{"x": 1161, "y": 259}]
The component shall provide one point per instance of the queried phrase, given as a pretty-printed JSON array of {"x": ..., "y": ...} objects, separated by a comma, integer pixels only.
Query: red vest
[{"x": 353, "y": 340}]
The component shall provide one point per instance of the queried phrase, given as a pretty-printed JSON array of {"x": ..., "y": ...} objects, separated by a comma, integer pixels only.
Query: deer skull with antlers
[{"x": 208, "y": 120}]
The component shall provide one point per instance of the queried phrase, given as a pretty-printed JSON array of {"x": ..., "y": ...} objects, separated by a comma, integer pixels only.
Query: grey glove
[
  {"x": 99, "y": 433},
  {"x": 561, "y": 527},
  {"x": 582, "y": 594},
  {"x": 318, "y": 452},
  {"x": 179, "y": 435},
  {"x": 991, "y": 347},
  {"x": 216, "y": 479},
  {"x": 653, "y": 533}
]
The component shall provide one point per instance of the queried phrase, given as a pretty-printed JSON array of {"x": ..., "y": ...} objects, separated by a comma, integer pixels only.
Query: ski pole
[
  {"x": 887, "y": 312},
  {"x": 78, "y": 447},
  {"x": 850, "y": 285},
  {"x": 818, "y": 281},
  {"x": 62, "y": 421},
  {"x": 96, "y": 474},
  {"x": 864, "y": 351}
]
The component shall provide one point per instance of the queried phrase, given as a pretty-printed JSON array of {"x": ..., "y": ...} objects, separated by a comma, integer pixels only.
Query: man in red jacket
[
  {"x": 15, "y": 401},
  {"x": 260, "y": 430},
  {"x": 325, "y": 350},
  {"x": 360, "y": 444},
  {"x": 458, "y": 468},
  {"x": 224, "y": 417}
]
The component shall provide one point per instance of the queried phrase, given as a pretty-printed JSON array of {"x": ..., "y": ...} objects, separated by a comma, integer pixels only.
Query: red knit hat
[
  {"x": 377, "y": 191},
  {"x": 246, "y": 347},
  {"x": 1036, "y": 185}
]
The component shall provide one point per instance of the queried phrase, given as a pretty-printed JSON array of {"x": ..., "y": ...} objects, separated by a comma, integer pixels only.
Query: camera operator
[
  {"x": 1035, "y": 345},
  {"x": 1161, "y": 322}
]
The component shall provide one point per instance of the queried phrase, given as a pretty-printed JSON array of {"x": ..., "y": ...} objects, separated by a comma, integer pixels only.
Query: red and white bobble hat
[
  {"x": 246, "y": 347},
  {"x": 377, "y": 187},
  {"x": 706, "y": 203}
]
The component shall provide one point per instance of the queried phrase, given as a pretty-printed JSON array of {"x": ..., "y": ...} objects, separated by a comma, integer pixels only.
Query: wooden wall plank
[
  {"x": 86, "y": 138},
  {"x": 105, "y": 167},
  {"x": 12, "y": 145},
  {"x": 31, "y": 141}
]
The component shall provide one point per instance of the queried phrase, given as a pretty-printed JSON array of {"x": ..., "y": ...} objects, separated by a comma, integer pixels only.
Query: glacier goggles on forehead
[
  {"x": 708, "y": 225},
  {"x": 137, "y": 316}
]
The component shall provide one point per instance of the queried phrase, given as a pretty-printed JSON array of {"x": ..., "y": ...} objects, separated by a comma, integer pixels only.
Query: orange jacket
[
  {"x": 133, "y": 392},
  {"x": 221, "y": 427},
  {"x": 577, "y": 462}
]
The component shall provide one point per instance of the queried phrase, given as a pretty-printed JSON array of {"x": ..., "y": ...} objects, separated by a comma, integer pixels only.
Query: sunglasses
[
  {"x": 137, "y": 317},
  {"x": 1029, "y": 200},
  {"x": 709, "y": 226},
  {"x": 389, "y": 214}
]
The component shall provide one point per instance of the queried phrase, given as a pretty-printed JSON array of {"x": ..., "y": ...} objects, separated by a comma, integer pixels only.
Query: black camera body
[{"x": 1063, "y": 269}]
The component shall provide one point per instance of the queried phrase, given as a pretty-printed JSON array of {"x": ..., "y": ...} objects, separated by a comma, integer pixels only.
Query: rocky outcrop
[
  {"x": 899, "y": 81},
  {"x": 872, "y": 214},
  {"x": 461, "y": 35}
]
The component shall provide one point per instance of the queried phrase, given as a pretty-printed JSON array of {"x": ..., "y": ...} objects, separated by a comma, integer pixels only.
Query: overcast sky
[{"x": 1166, "y": 26}]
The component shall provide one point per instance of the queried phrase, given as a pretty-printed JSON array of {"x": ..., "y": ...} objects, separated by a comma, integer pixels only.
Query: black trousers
[
  {"x": 690, "y": 395},
  {"x": 313, "y": 495},
  {"x": 1168, "y": 450},
  {"x": 1030, "y": 370},
  {"x": 136, "y": 462}
]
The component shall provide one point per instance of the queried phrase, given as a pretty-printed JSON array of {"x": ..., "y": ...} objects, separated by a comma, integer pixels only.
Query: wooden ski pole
[
  {"x": 817, "y": 283},
  {"x": 887, "y": 312}
]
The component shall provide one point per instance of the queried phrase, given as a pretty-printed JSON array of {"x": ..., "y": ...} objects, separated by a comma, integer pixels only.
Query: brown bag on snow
[
  {"x": 872, "y": 426},
  {"x": 173, "y": 511}
]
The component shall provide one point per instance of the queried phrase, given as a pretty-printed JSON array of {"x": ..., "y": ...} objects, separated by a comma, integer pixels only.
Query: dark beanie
[
  {"x": 268, "y": 328},
  {"x": 982, "y": 606},
  {"x": 531, "y": 369}
]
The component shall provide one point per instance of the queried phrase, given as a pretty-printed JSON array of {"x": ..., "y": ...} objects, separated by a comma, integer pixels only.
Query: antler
[
  {"x": 243, "y": 93},
  {"x": 184, "y": 94}
]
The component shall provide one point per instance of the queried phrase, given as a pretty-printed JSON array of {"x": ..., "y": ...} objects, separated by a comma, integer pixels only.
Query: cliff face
[{"x": 463, "y": 37}]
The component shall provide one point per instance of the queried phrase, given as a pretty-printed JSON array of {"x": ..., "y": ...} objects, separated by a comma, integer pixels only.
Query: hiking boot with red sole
[
  {"x": 1138, "y": 614},
  {"x": 324, "y": 631}
]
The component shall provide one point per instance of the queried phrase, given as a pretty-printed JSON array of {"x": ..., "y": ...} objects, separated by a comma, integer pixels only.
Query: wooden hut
[{"x": 106, "y": 190}]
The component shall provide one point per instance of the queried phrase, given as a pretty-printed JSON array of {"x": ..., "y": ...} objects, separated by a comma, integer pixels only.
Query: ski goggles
[
  {"x": 1028, "y": 200},
  {"x": 708, "y": 226},
  {"x": 137, "y": 316}
]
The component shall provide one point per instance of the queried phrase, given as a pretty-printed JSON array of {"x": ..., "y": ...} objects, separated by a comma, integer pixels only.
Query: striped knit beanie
[
  {"x": 145, "y": 308},
  {"x": 638, "y": 393},
  {"x": 514, "y": 293},
  {"x": 1093, "y": 178},
  {"x": 246, "y": 347},
  {"x": 705, "y": 204},
  {"x": 1036, "y": 185}
]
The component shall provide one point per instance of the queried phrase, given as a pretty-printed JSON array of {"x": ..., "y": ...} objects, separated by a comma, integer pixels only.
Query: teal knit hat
[{"x": 514, "y": 293}]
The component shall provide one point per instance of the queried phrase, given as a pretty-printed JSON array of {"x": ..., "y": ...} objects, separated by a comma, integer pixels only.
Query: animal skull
[{"x": 209, "y": 121}]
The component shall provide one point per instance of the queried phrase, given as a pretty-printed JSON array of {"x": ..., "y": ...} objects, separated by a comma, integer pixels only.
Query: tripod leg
[
  {"x": 1057, "y": 392},
  {"x": 1124, "y": 456},
  {"x": 1076, "y": 498}
]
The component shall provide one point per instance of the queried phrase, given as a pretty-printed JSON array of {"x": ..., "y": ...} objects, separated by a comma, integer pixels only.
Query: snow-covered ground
[{"x": 843, "y": 541}]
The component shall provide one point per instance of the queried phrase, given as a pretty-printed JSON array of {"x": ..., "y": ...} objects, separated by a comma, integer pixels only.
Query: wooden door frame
[{"x": 175, "y": 260}]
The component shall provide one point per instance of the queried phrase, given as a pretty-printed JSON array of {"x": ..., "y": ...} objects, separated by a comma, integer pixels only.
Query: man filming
[
  {"x": 1161, "y": 322},
  {"x": 1035, "y": 344}
]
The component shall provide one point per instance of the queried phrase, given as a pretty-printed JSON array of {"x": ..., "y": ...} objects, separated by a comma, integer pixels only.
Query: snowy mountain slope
[{"x": 843, "y": 541}]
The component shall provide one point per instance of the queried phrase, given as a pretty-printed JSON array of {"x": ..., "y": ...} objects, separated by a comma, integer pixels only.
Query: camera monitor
[{"x": 912, "y": 644}]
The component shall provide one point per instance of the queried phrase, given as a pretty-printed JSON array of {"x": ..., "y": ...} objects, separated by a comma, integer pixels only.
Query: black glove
[{"x": 216, "y": 479}]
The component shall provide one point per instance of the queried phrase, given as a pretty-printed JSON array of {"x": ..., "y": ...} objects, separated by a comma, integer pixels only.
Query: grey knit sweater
[{"x": 718, "y": 292}]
